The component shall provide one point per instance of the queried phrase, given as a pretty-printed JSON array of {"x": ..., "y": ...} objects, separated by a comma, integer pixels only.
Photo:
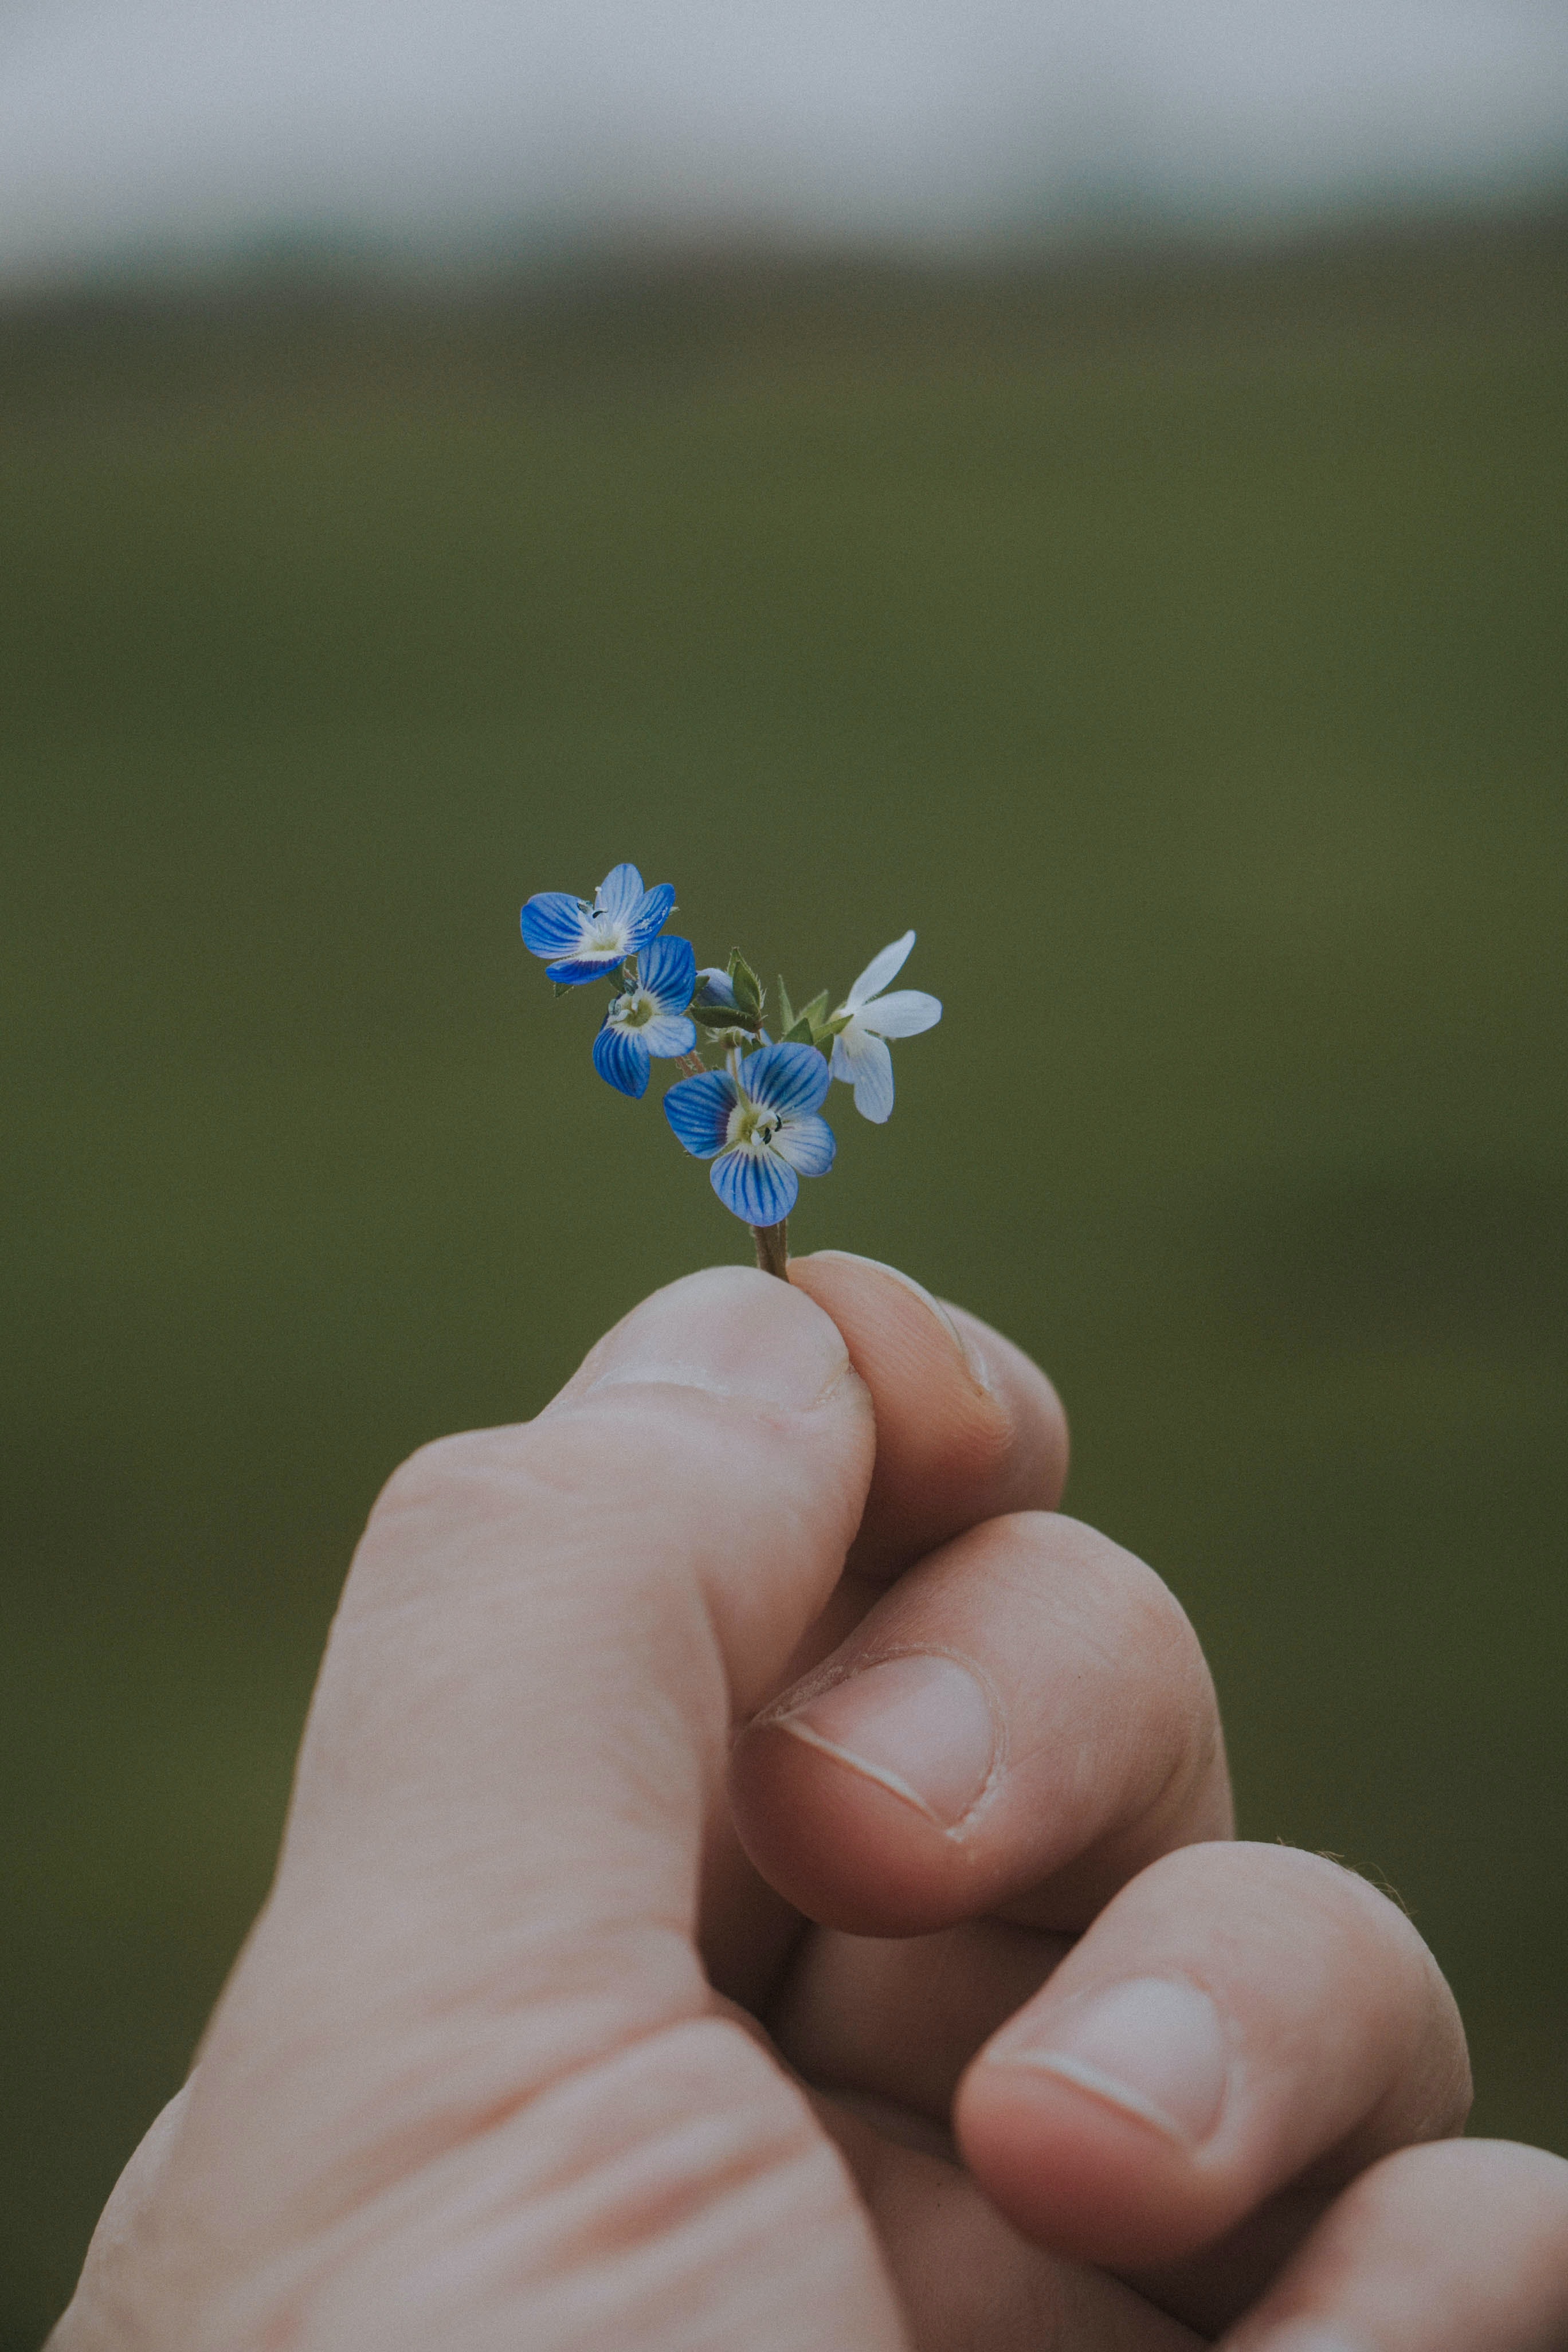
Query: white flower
[{"x": 860, "y": 1056}]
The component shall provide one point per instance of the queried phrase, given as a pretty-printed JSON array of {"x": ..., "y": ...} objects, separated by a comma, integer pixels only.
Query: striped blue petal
[
  {"x": 668, "y": 1033},
  {"x": 667, "y": 968},
  {"x": 754, "y": 1183},
  {"x": 575, "y": 969},
  {"x": 651, "y": 912},
  {"x": 808, "y": 1144},
  {"x": 554, "y": 923},
  {"x": 621, "y": 1057},
  {"x": 619, "y": 892},
  {"x": 698, "y": 1110},
  {"x": 787, "y": 1077}
]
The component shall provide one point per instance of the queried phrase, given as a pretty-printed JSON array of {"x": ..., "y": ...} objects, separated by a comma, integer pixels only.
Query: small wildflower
[
  {"x": 860, "y": 1056},
  {"x": 756, "y": 1115},
  {"x": 758, "y": 1122},
  {"x": 649, "y": 1018},
  {"x": 580, "y": 942}
]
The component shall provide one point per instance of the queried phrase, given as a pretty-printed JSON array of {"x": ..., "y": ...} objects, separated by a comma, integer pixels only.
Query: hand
[{"x": 536, "y": 2044}]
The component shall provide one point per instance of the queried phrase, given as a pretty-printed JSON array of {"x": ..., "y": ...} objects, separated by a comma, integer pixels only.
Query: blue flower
[
  {"x": 860, "y": 1056},
  {"x": 760, "y": 1117},
  {"x": 650, "y": 1018},
  {"x": 581, "y": 942}
]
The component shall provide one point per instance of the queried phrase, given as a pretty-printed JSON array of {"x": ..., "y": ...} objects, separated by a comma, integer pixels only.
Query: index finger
[
  {"x": 967, "y": 1427},
  {"x": 967, "y": 1430}
]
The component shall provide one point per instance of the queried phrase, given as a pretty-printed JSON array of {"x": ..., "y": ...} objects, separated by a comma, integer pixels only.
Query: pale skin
[{"x": 758, "y": 1876}]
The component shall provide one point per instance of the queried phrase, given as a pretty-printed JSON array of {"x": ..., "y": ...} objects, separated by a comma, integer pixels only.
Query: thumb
[{"x": 490, "y": 1874}]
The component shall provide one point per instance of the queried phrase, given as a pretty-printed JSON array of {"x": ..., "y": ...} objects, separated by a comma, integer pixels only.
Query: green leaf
[
  {"x": 840, "y": 1021},
  {"x": 748, "y": 988},
  {"x": 561, "y": 987},
  {"x": 799, "y": 1033},
  {"x": 815, "y": 1010},
  {"x": 786, "y": 1009}
]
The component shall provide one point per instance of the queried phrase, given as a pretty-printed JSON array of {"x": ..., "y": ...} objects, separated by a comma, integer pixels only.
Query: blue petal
[
  {"x": 755, "y": 1186},
  {"x": 620, "y": 1055},
  {"x": 717, "y": 988},
  {"x": 669, "y": 1034},
  {"x": 652, "y": 910},
  {"x": 619, "y": 892},
  {"x": 787, "y": 1077},
  {"x": 667, "y": 968},
  {"x": 808, "y": 1144},
  {"x": 577, "y": 969},
  {"x": 554, "y": 923},
  {"x": 698, "y": 1110}
]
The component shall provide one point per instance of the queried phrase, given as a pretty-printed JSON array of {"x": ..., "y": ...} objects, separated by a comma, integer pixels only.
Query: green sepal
[
  {"x": 840, "y": 1021},
  {"x": 725, "y": 1016},
  {"x": 563, "y": 987},
  {"x": 813, "y": 1011},
  {"x": 787, "y": 1015},
  {"x": 748, "y": 988},
  {"x": 728, "y": 1038},
  {"x": 799, "y": 1033}
]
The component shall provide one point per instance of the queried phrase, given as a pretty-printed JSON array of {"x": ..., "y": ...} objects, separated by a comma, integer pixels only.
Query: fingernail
[
  {"x": 732, "y": 1331},
  {"x": 923, "y": 1727},
  {"x": 1153, "y": 2047},
  {"x": 975, "y": 1363}
]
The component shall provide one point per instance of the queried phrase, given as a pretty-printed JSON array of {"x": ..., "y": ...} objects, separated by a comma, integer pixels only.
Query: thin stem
[
  {"x": 692, "y": 1064},
  {"x": 773, "y": 1248}
]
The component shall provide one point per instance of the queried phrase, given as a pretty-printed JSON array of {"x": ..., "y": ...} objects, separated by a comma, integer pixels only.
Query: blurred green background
[{"x": 1179, "y": 644}]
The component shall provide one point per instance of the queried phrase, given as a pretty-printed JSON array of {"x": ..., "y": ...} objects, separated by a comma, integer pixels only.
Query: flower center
[
  {"x": 755, "y": 1126},
  {"x": 604, "y": 936}
]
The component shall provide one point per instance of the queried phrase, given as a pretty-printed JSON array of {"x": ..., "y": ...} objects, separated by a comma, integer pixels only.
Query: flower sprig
[{"x": 757, "y": 1116}]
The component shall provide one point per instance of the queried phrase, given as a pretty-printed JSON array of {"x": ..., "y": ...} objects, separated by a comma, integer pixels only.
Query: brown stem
[
  {"x": 692, "y": 1064},
  {"x": 773, "y": 1248}
]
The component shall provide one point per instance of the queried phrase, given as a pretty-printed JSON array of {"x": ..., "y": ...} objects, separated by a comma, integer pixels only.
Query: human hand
[{"x": 556, "y": 2032}]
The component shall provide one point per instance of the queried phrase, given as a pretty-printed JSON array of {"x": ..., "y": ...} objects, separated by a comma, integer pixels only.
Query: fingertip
[
  {"x": 853, "y": 1795},
  {"x": 967, "y": 1427},
  {"x": 1239, "y": 2018},
  {"x": 1459, "y": 2244},
  {"x": 1100, "y": 2168},
  {"x": 729, "y": 1329},
  {"x": 1042, "y": 1442},
  {"x": 905, "y": 1331}
]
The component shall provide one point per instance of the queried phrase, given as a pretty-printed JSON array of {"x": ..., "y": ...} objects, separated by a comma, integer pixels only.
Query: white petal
[
  {"x": 905, "y": 1014},
  {"x": 880, "y": 972},
  {"x": 848, "y": 1047},
  {"x": 863, "y": 1062}
]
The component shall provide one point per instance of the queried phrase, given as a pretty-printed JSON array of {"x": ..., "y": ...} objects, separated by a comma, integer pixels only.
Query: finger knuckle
[{"x": 438, "y": 1473}]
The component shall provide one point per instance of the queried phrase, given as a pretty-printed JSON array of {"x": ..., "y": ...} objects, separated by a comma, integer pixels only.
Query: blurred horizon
[{"x": 153, "y": 139}]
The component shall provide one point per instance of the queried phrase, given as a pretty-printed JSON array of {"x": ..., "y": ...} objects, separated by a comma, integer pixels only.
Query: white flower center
[
  {"x": 605, "y": 936},
  {"x": 634, "y": 1011},
  {"x": 753, "y": 1127}
]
